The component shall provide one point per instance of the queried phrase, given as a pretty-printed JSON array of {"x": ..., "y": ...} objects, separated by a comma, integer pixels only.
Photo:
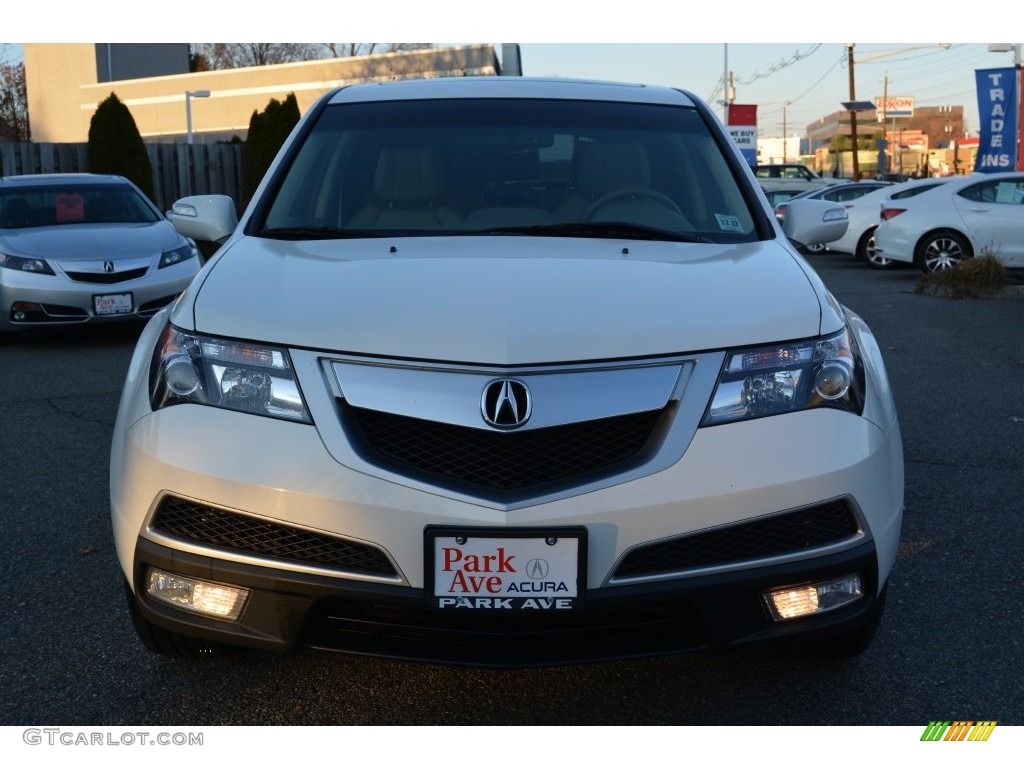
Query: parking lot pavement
[{"x": 950, "y": 645}]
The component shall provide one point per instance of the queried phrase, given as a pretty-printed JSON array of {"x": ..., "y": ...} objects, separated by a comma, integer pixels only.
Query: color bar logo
[{"x": 960, "y": 730}]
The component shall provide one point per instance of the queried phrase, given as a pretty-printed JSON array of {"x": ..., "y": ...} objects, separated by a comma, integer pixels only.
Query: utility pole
[
  {"x": 725, "y": 87},
  {"x": 785, "y": 136},
  {"x": 885, "y": 108},
  {"x": 853, "y": 114}
]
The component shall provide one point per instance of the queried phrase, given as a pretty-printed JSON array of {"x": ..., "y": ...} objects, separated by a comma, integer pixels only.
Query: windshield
[
  {"x": 506, "y": 166},
  {"x": 72, "y": 204}
]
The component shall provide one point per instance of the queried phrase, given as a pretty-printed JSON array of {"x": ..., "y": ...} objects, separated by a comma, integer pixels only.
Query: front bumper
[
  {"x": 281, "y": 476},
  {"x": 56, "y": 300},
  {"x": 288, "y": 609}
]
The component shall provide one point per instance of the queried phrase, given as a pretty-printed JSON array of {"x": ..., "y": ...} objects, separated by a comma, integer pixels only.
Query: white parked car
[
  {"x": 85, "y": 248},
  {"x": 960, "y": 219},
  {"x": 838, "y": 193},
  {"x": 504, "y": 371},
  {"x": 865, "y": 216}
]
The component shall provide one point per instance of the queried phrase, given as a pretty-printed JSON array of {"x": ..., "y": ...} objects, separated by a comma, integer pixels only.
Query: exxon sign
[{"x": 894, "y": 106}]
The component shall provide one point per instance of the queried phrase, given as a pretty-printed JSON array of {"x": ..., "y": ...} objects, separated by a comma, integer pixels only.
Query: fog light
[
  {"x": 218, "y": 600},
  {"x": 794, "y": 602},
  {"x": 20, "y": 310}
]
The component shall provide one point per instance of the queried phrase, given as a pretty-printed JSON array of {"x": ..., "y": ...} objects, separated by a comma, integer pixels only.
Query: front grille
[
  {"x": 784, "y": 534},
  {"x": 455, "y": 456},
  {"x": 213, "y": 527},
  {"x": 107, "y": 278}
]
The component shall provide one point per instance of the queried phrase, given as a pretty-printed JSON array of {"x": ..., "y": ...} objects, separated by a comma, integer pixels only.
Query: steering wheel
[{"x": 634, "y": 192}]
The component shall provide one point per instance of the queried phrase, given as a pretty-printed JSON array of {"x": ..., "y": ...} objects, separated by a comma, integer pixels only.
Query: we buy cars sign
[{"x": 894, "y": 106}]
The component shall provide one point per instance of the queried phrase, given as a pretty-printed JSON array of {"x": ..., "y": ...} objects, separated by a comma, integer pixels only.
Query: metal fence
[{"x": 178, "y": 169}]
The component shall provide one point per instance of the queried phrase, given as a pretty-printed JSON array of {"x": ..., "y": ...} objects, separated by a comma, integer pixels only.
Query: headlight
[
  {"x": 188, "y": 368},
  {"x": 766, "y": 381},
  {"x": 25, "y": 265},
  {"x": 178, "y": 255}
]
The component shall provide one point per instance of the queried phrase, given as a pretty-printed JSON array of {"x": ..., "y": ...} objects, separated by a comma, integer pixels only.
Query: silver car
[{"x": 85, "y": 248}]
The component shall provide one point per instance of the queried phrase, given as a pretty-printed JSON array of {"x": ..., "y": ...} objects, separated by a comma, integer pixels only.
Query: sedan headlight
[
  {"x": 178, "y": 255},
  {"x": 766, "y": 381},
  {"x": 254, "y": 378},
  {"x": 38, "y": 266}
]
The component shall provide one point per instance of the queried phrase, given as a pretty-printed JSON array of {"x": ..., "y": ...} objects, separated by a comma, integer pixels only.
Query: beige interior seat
[
  {"x": 604, "y": 167},
  {"x": 409, "y": 186}
]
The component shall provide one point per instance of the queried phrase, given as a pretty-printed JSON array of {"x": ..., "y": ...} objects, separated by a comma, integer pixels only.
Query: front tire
[{"x": 941, "y": 250}]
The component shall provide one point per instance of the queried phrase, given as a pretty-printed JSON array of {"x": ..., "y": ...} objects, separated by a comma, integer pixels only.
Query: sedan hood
[
  {"x": 437, "y": 299},
  {"x": 91, "y": 241}
]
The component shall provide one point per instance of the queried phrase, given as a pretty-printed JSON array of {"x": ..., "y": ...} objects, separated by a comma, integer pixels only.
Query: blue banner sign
[{"x": 997, "y": 110}]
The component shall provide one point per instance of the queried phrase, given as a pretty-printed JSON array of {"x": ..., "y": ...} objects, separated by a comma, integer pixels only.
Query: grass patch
[{"x": 975, "y": 278}]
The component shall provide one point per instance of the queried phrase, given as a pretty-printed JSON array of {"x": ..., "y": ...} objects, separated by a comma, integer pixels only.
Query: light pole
[{"x": 189, "y": 95}]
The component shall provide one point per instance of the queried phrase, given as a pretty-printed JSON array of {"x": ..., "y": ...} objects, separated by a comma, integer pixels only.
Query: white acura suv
[{"x": 506, "y": 372}]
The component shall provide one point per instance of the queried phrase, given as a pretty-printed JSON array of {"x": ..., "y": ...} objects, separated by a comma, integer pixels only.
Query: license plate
[
  {"x": 505, "y": 570},
  {"x": 113, "y": 304}
]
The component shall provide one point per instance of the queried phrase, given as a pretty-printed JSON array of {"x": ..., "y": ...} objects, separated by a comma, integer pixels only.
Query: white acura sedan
[
  {"x": 962, "y": 218},
  {"x": 865, "y": 216},
  {"x": 502, "y": 371},
  {"x": 85, "y": 248}
]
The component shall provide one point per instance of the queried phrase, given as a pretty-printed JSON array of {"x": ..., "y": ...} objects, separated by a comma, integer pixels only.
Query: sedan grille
[
  {"x": 784, "y": 534},
  {"x": 213, "y": 527},
  {"x": 503, "y": 462},
  {"x": 107, "y": 278}
]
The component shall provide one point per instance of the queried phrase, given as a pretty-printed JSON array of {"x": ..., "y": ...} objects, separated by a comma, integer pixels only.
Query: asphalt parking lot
[{"x": 950, "y": 646}]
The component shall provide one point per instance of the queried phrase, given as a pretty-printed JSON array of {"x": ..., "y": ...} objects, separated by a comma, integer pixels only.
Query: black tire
[
  {"x": 817, "y": 248},
  {"x": 852, "y": 643},
  {"x": 867, "y": 253},
  {"x": 941, "y": 250},
  {"x": 166, "y": 643}
]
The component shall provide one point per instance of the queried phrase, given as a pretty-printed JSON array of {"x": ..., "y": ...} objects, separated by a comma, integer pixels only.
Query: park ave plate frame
[
  {"x": 105, "y": 304},
  {"x": 505, "y": 570}
]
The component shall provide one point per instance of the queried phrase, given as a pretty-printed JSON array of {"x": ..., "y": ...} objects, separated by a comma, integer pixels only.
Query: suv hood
[{"x": 439, "y": 298}]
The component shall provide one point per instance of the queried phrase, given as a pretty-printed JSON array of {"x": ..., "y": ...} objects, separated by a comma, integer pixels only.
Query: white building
[{"x": 778, "y": 149}]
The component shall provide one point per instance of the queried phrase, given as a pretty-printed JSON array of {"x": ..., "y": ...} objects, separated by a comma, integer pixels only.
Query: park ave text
[{"x": 469, "y": 577}]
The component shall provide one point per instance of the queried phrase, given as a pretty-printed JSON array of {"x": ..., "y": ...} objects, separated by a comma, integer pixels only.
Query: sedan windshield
[
  {"x": 73, "y": 204},
  {"x": 510, "y": 166}
]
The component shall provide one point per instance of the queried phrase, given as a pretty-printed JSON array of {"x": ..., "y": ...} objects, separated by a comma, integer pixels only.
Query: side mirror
[
  {"x": 810, "y": 222},
  {"x": 205, "y": 217}
]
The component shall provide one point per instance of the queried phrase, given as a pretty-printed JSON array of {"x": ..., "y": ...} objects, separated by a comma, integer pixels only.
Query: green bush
[
  {"x": 267, "y": 131},
  {"x": 115, "y": 145},
  {"x": 970, "y": 279}
]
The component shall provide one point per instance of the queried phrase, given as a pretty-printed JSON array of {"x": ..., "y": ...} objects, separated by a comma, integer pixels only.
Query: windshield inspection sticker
[{"x": 728, "y": 223}]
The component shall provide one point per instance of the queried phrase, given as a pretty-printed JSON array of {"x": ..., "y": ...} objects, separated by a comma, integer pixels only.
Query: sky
[{"x": 773, "y": 61}]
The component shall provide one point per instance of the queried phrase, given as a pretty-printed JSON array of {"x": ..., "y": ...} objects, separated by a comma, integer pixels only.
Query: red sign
[
  {"x": 743, "y": 114},
  {"x": 70, "y": 207}
]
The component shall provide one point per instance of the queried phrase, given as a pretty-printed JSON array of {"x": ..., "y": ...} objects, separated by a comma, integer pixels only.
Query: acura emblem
[
  {"x": 108, "y": 266},
  {"x": 537, "y": 569},
  {"x": 506, "y": 403}
]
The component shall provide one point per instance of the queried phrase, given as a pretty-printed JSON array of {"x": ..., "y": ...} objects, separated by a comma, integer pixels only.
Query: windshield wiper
[
  {"x": 603, "y": 229},
  {"x": 316, "y": 233}
]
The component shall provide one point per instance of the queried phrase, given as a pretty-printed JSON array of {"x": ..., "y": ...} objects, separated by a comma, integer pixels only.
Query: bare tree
[
  {"x": 338, "y": 50},
  {"x": 207, "y": 56},
  {"x": 13, "y": 103}
]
